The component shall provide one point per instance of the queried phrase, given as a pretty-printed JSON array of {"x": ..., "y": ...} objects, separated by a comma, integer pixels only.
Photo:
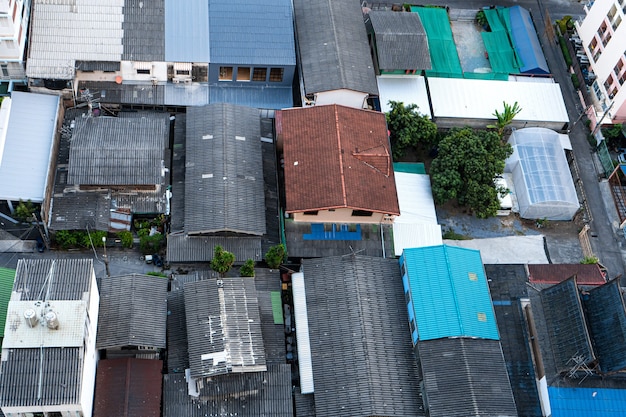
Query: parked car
[{"x": 39, "y": 244}]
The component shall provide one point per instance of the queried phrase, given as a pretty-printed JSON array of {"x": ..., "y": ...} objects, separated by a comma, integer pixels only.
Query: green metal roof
[
  {"x": 450, "y": 293},
  {"x": 277, "y": 307},
  {"x": 7, "y": 277}
]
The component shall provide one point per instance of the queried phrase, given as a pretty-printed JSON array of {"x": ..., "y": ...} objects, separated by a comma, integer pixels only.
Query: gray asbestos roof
[
  {"x": 177, "y": 354},
  {"x": 133, "y": 311},
  {"x": 333, "y": 47},
  {"x": 185, "y": 248},
  {"x": 118, "y": 150},
  {"x": 401, "y": 41},
  {"x": 144, "y": 26},
  {"x": 363, "y": 361},
  {"x": 465, "y": 377},
  {"x": 223, "y": 327},
  {"x": 63, "y": 32},
  {"x": 224, "y": 170},
  {"x": 257, "y": 394}
]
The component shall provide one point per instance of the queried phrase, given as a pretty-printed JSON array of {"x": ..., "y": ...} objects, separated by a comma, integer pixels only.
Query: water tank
[
  {"x": 52, "y": 320},
  {"x": 31, "y": 317}
]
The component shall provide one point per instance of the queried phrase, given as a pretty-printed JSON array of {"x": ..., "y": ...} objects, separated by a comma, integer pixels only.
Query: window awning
[
  {"x": 182, "y": 66},
  {"x": 142, "y": 65}
]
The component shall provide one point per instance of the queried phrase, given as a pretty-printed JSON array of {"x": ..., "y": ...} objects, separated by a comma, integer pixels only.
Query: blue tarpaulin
[{"x": 526, "y": 43}]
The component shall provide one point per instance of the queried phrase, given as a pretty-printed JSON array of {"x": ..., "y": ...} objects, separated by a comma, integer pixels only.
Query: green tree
[
  {"x": 276, "y": 255},
  {"x": 126, "y": 238},
  {"x": 24, "y": 211},
  {"x": 151, "y": 244},
  {"x": 505, "y": 118},
  {"x": 247, "y": 269},
  {"x": 222, "y": 260},
  {"x": 464, "y": 169},
  {"x": 408, "y": 128},
  {"x": 86, "y": 239},
  {"x": 65, "y": 239}
]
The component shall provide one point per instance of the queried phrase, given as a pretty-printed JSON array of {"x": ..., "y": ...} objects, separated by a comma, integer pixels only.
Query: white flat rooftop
[{"x": 408, "y": 89}]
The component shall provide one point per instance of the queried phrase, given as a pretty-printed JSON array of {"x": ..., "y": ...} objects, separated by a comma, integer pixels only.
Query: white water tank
[
  {"x": 31, "y": 317},
  {"x": 52, "y": 320}
]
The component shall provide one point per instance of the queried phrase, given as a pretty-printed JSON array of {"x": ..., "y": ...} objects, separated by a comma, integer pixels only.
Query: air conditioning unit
[
  {"x": 154, "y": 80},
  {"x": 175, "y": 80},
  {"x": 187, "y": 80}
]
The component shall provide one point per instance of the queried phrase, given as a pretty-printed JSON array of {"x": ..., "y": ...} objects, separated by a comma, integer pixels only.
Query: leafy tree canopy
[
  {"x": 505, "y": 118},
  {"x": 408, "y": 128},
  {"x": 464, "y": 169},
  {"x": 222, "y": 260}
]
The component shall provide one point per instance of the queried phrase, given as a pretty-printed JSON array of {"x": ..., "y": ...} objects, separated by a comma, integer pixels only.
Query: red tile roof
[
  {"x": 337, "y": 157},
  {"x": 556, "y": 273},
  {"x": 128, "y": 387}
]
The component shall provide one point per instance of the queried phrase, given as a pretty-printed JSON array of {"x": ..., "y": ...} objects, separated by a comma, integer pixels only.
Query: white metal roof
[
  {"x": 302, "y": 326},
  {"x": 417, "y": 224},
  {"x": 479, "y": 99},
  {"x": 63, "y": 32},
  {"x": 408, "y": 89},
  {"x": 25, "y": 153}
]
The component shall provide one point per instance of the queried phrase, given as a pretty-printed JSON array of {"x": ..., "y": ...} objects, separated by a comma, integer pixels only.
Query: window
[
  {"x": 597, "y": 55},
  {"x": 276, "y": 75},
  {"x": 310, "y": 213},
  {"x": 226, "y": 74},
  {"x": 361, "y": 213},
  {"x": 606, "y": 39},
  {"x": 5, "y": 70},
  {"x": 602, "y": 29},
  {"x": 618, "y": 67},
  {"x": 243, "y": 74},
  {"x": 143, "y": 71},
  {"x": 593, "y": 44},
  {"x": 10, "y": 44},
  {"x": 617, "y": 22},
  {"x": 183, "y": 72},
  {"x": 622, "y": 79},
  {"x": 608, "y": 82},
  {"x": 259, "y": 74}
]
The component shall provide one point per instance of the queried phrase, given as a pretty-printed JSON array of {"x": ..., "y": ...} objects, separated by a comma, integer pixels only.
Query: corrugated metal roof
[
  {"x": 363, "y": 364},
  {"x": 184, "y": 248},
  {"x": 257, "y": 394},
  {"x": 224, "y": 189},
  {"x": 26, "y": 142},
  {"x": 187, "y": 31},
  {"x": 7, "y": 276},
  {"x": 78, "y": 211},
  {"x": 268, "y": 283},
  {"x": 401, "y": 41},
  {"x": 223, "y": 327},
  {"x": 97, "y": 66},
  {"x": 128, "y": 387},
  {"x": 252, "y": 32},
  {"x": 56, "y": 27},
  {"x": 449, "y": 292},
  {"x": 118, "y": 150},
  {"x": 333, "y": 46},
  {"x": 56, "y": 279},
  {"x": 408, "y": 89},
  {"x": 465, "y": 377},
  {"x": 606, "y": 315},
  {"x": 133, "y": 312},
  {"x": 273, "y": 97},
  {"x": 144, "y": 30},
  {"x": 566, "y": 324},
  {"x": 586, "y": 402},
  {"x": 555, "y": 273},
  {"x": 302, "y": 325},
  {"x": 177, "y": 354},
  {"x": 417, "y": 235},
  {"x": 36, "y": 377}
]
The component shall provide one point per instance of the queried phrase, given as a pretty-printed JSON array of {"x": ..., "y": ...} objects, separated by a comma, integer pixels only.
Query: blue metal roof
[
  {"x": 252, "y": 32},
  {"x": 187, "y": 31},
  {"x": 261, "y": 97},
  {"x": 450, "y": 293},
  {"x": 585, "y": 402},
  {"x": 526, "y": 43}
]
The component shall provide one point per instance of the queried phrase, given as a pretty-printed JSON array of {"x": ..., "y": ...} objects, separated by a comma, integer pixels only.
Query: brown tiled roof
[
  {"x": 128, "y": 387},
  {"x": 556, "y": 273},
  {"x": 337, "y": 157}
]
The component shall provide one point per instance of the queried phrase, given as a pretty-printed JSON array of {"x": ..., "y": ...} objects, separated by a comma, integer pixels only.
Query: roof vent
[
  {"x": 31, "y": 317},
  {"x": 220, "y": 283},
  {"x": 52, "y": 320}
]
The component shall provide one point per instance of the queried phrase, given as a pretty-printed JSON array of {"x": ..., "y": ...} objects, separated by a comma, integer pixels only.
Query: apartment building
[
  {"x": 602, "y": 35},
  {"x": 14, "y": 16}
]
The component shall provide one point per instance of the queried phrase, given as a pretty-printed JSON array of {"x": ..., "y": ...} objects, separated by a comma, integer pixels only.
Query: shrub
[
  {"x": 247, "y": 269},
  {"x": 151, "y": 244},
  {"x": 589, "y": 260},
  {"x": 65, "y": 239},
  {"x": 24, "y": 211},
  {"x": 566, "y": 55},
  {"x": 276, "y": 255},
  {"x": 157, "y": 274},
  {"x": 481, "y": 19},
  {"x": 575, "y": 81},
  {"x": 126, "y": 238},
  {"x": 222, "y": 260},
  {"x": 83, "y": 238}
]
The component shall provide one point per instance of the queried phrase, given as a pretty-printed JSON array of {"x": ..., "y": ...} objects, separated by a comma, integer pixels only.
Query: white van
[{"x": 506, "y": 202}]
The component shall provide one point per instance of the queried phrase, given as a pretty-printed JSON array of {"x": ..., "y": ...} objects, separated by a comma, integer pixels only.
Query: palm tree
[{"x": 505, "y": 118}]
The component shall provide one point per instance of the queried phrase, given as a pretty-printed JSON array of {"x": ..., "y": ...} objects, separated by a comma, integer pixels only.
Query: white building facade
[
  {"x": 603, "y": 33},
  {"x": 14, "y": 16}
]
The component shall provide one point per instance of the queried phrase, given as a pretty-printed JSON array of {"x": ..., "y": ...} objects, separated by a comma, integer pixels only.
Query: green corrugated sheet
[
  {"x": 409, "y": 167},
  {"x": 277, "y": 307},
  {"x": 502, "y": 56},
  {"x": 7, "y": 277}
]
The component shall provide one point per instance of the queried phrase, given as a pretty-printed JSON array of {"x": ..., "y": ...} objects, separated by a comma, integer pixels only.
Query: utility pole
[{"x": 106, "y": 258}]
